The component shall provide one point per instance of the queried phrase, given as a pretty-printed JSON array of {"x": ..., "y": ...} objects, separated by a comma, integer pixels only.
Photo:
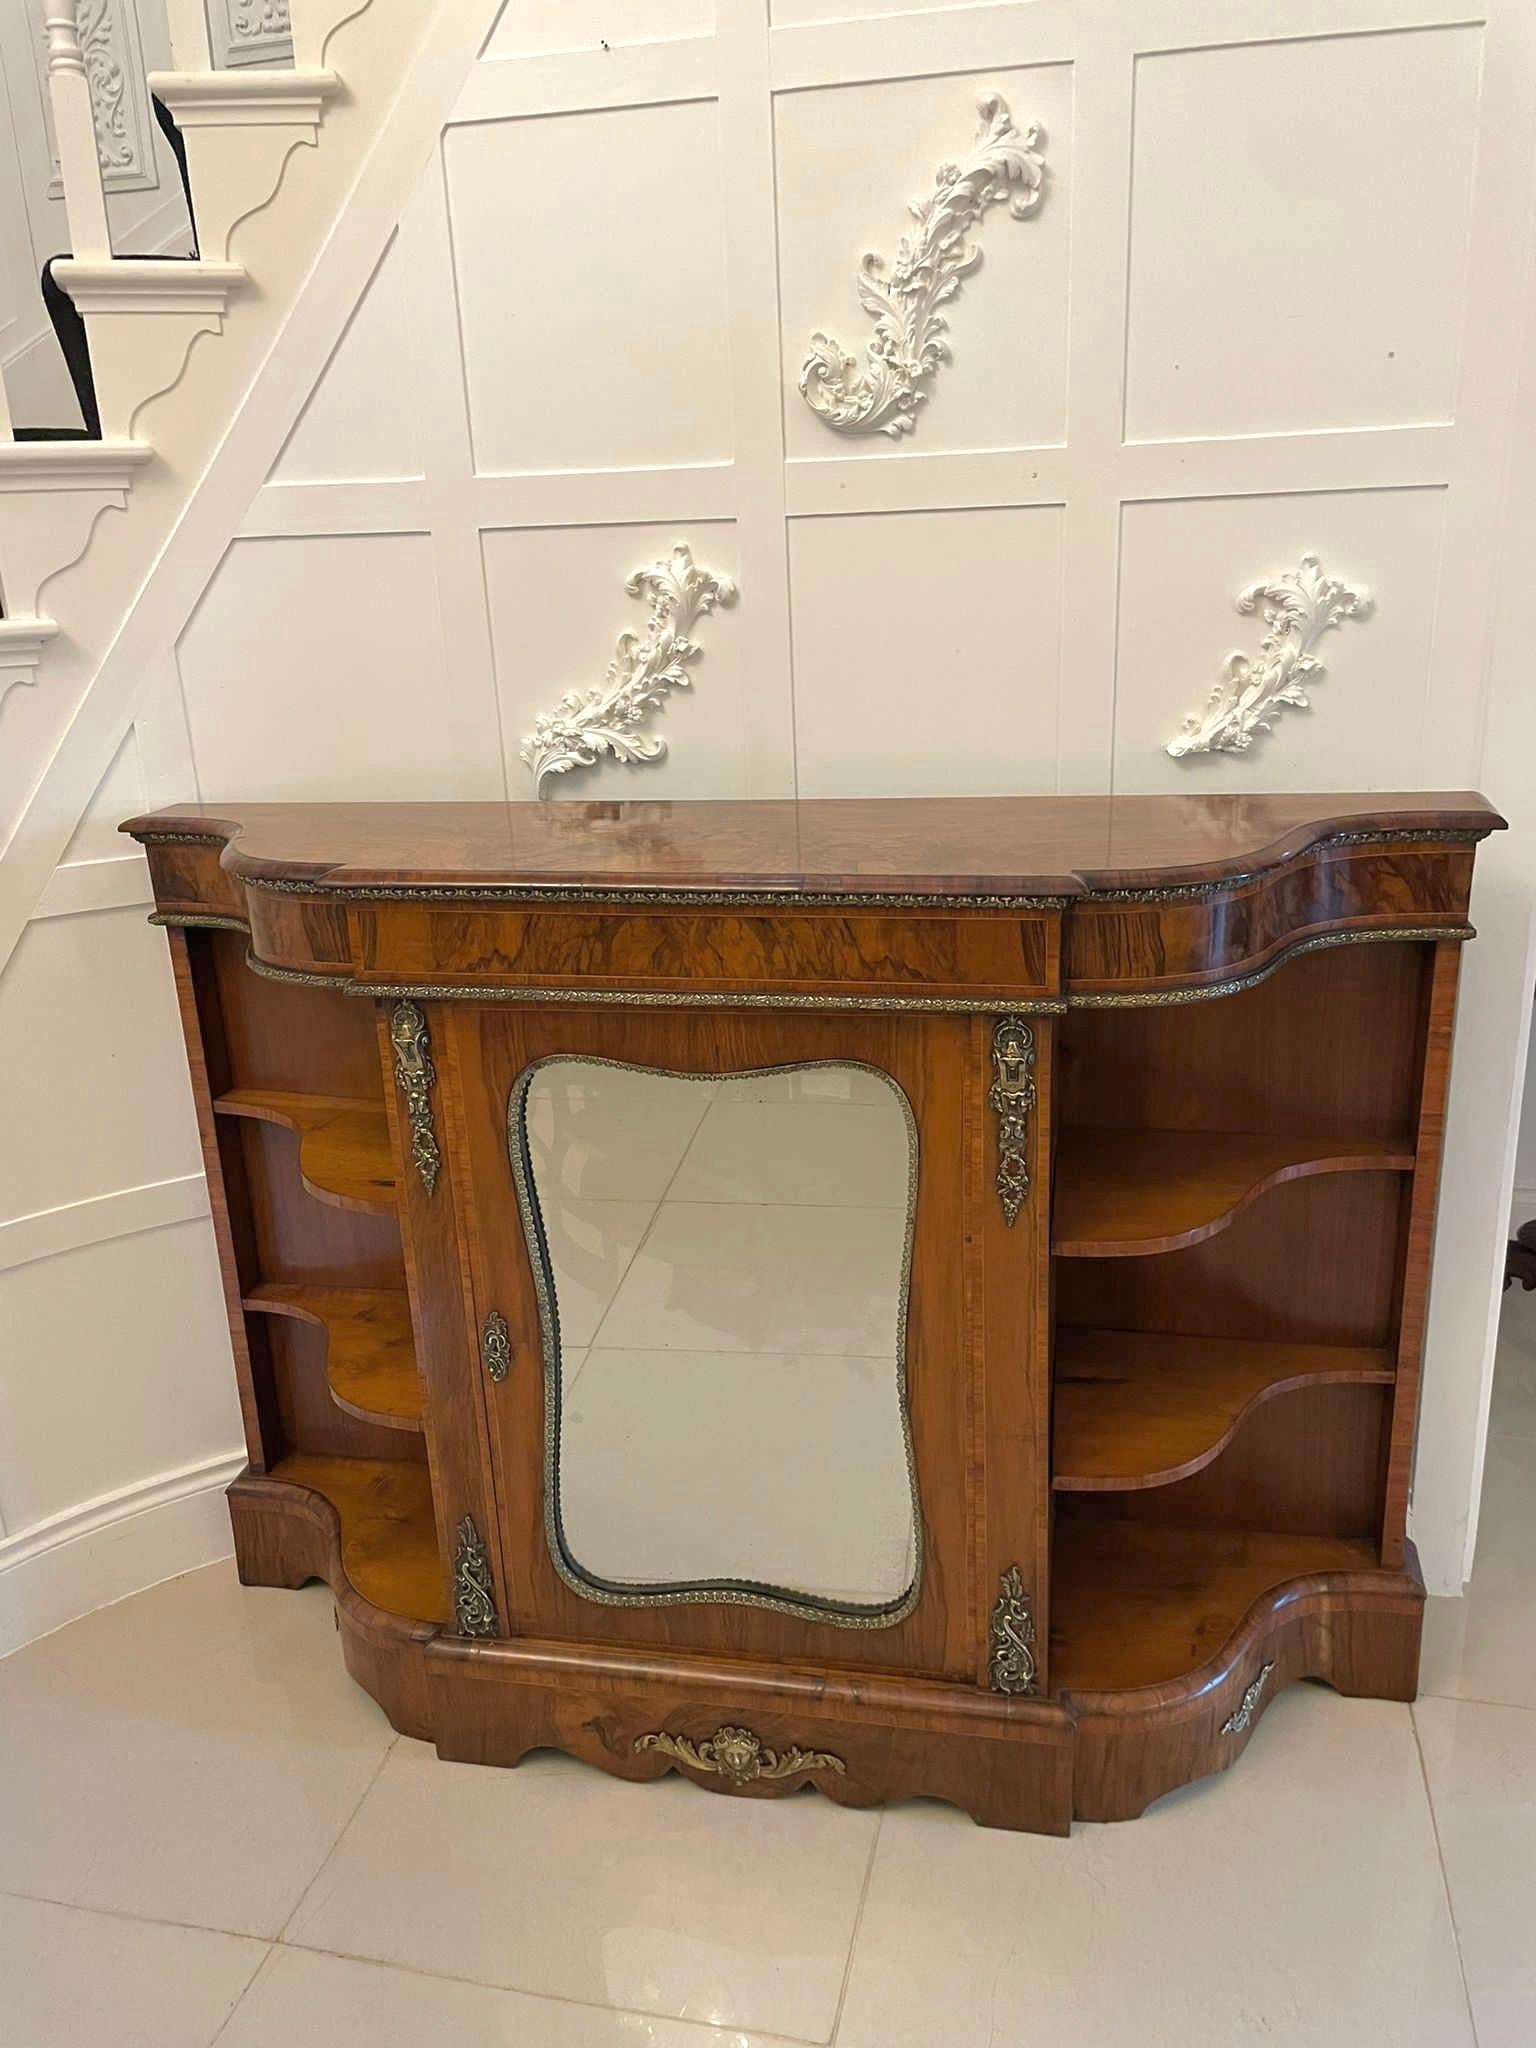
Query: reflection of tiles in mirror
[
  {"x": 707, "y": 1464},
  {"x": 590, "y": 1247},
  {"x": 597, "y": 1135},
  {"x": 797, "y": 1151},
  {"x": 749, "y": 1277},
  {"x": 727, "y": 1260}
]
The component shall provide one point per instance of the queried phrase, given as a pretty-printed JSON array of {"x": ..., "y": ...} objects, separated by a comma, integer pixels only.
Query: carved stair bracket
[
  {"x": 1012, "y": 1635},
  {"x": 496, "y": 1345},
  {"x": 415, "y": 1076},
  {"x": 1298, "y": 610},
  {"x": 738, "y": 1755},
  {"x": 1012, "y": 1096},
  {"x": 474, "y": 1593},
  {"x": 608, "y": 718},
  {"x": 1237, "y": 1721},
  {"x": 882, "y": 397}
]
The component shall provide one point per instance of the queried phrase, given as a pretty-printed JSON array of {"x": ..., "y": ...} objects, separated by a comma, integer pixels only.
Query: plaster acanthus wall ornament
[
  {"x": 645, "y": 668},
  {"x": 1298, "y": 610},
  {"x": 882, "y": 397}
]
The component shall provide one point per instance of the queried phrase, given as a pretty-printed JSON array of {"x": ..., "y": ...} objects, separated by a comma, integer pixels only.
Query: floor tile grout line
[
  {"x": 858, "y": 1922},
  {"x": 645, "y": 1235},
  {"x": 223, "y": 2025},
  {"x": 1458, "y": 1699},
  {"x": 341, "y": 1834},
  {"x": 1445, "y": 1876},
  {"x": 709, "y": 2028},
  {"x": 138, "y": 1919}
]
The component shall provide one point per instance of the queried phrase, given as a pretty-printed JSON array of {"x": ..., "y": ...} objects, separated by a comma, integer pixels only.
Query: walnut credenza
[{"x": 1175, "y": 1074}]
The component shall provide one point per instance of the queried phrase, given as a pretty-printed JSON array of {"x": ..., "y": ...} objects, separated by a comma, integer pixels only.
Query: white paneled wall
[{"x": 1271, "y": 301}]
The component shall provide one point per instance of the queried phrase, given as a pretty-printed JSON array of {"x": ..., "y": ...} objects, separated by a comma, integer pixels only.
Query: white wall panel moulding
[
  {"x": 120, "y": 1543},
  {"x": 82, "y": 885},
  {"x": 126, "y": 1212}
]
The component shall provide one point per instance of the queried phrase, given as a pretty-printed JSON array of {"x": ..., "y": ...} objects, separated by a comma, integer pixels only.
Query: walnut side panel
[
  {"x": 202, "y": 1024},
  {"x": 1418, "y": 1247}
]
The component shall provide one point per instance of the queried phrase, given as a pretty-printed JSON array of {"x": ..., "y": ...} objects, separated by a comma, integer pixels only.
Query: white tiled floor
[{"x": 207, "y": 1833}]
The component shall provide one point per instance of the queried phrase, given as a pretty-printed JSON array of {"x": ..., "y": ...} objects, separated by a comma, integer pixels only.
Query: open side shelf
[
  {"x": 1136, "y": 1409},
  {"x": 388, "y": 1533},
  {"x": 1133, "y": 1193},
  {"x": 370, "y": 1360},
  {"x": 1136, "y": 1603},
  {"x": 344, "y": 1155}
]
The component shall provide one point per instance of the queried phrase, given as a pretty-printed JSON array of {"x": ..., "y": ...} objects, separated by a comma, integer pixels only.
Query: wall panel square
[
  {"x": 362, "y": 421},
  {"x": 313, "y": 667},
  {"x": 1182, "y": 564},
  {"x": 590, "y": 256},
  {"x": 850, "y": 160},
  {"x": 138, "y": 1325},
  {"x": 88, "y": 1015},
  {"x": 558, "y": 604},
  {"x": 529, "y": 28},
  {"x": 927, "y": 652},
  {"x": 1299, "y": 223}
]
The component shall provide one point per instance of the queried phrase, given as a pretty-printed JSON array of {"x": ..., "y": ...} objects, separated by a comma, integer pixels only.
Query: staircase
[
  {"x": 189, "y": 373},
  {"x": 125, "y": 324}
]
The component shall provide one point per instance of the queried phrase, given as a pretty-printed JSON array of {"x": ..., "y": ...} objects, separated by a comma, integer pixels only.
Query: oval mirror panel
[{"x": 722, "y": 1263}]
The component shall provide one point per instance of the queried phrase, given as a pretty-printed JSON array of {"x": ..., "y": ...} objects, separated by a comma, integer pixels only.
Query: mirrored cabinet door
[{"x": 722, "y": 1264}]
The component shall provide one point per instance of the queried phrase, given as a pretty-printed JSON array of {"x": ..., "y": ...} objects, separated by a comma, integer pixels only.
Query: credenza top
[{"x": 956, "y": 846}]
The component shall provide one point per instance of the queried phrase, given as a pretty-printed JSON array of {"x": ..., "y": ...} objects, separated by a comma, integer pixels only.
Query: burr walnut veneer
[{"x": 1177, "y": 1073}]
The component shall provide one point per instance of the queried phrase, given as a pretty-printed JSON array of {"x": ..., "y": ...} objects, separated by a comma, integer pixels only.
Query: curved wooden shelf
[
  {"x": 388, "y": 1531},
  {"x": 1137, "y": 1603},
  {"x": 1132, "y": 1193},
  {"x": 1136, "y": 1409},
  {"x": 344, "y": 1155},
  {"x": 370, "y": 1361}
]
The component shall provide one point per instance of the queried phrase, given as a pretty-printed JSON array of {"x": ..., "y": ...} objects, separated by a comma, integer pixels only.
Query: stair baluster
[{"x": 74, "y": 121}]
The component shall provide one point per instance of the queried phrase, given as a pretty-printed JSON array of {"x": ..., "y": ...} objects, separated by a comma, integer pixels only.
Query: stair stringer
[{"x": 117, "y": 620}]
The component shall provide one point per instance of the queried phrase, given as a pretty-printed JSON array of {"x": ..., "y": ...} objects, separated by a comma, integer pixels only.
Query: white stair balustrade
[
  {"x": 313, "y": 22},
  {"x": 51, "y": 495},
  {"x": 238, "y": 129},
  {"x": 74, "y": 121}
]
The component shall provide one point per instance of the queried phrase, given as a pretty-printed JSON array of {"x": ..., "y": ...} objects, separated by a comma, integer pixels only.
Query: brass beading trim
[
  {"x": 200, "y": 920},
  {"x": 664, "y": 999},
  {"x": 616, "y": 896}
]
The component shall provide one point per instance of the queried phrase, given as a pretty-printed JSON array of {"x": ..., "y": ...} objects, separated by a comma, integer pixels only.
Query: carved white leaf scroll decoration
[
  {"x": 882, "y": 397},
  {"x": 608, "y": 719},
  {"x": 1298, "y": 610}
]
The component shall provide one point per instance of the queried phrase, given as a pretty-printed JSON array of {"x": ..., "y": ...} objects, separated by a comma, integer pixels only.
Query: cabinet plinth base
[
  {"x": 759, "y": 1731},
  {"x": 1357, "y": 1631}
]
